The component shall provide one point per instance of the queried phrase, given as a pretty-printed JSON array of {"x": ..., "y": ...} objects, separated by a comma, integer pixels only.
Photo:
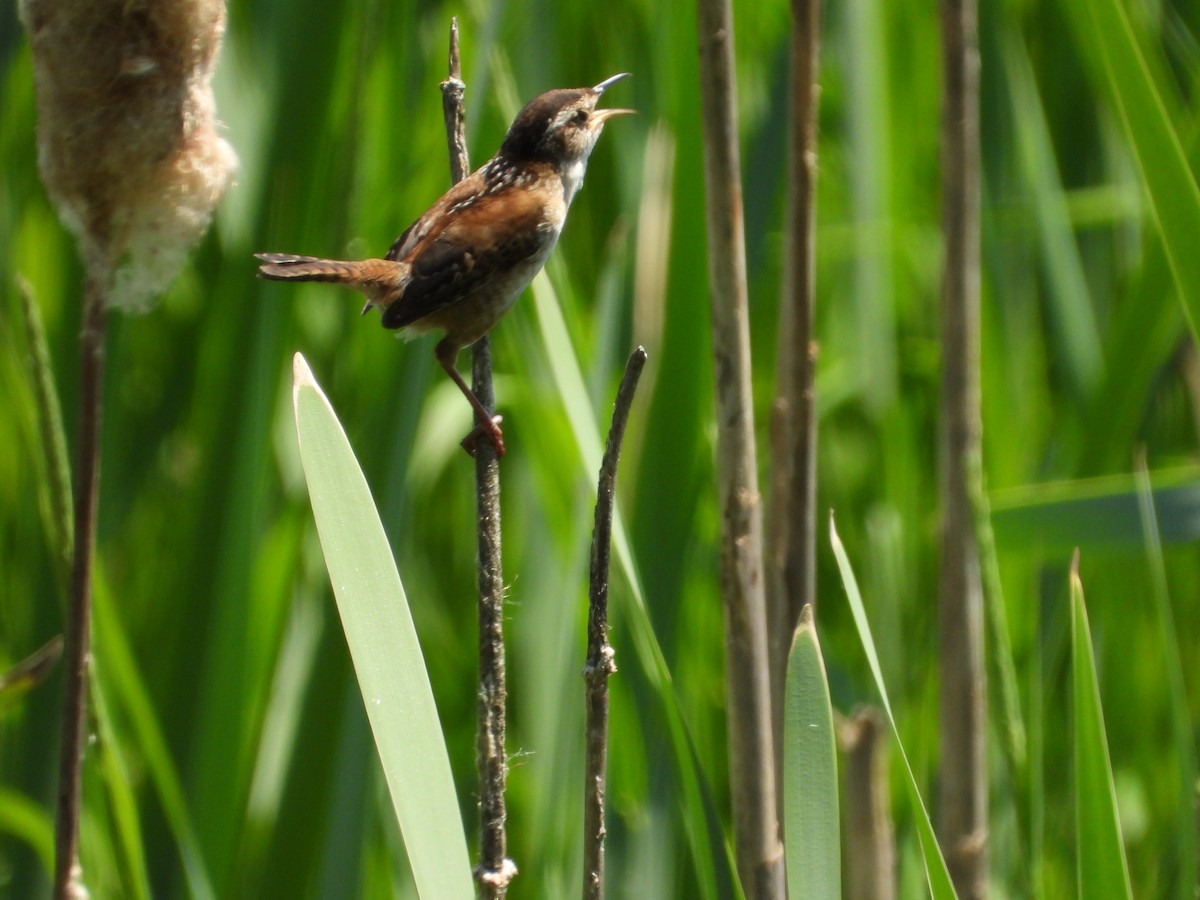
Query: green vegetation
[{"x": 232, "y": 754}]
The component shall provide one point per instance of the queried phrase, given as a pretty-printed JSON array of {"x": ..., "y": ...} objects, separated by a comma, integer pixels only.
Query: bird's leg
[{"x": 485, "y": 422}]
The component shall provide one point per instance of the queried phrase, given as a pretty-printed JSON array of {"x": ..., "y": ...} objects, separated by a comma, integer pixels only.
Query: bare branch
[{"x": 600, "y": 655}]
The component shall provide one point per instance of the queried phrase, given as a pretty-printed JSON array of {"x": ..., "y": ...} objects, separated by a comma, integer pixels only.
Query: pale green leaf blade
[
  {"x": 384, "y": 647},
  {"x": 812, "y": 836}
]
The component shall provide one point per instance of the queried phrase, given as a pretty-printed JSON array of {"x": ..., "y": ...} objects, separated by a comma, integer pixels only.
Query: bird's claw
[{"x": 489, "y": 429}]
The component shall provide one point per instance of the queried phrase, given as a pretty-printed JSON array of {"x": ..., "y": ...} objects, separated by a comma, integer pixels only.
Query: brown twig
[
  {"x": 67, "y": 873},
  {"x": 792, "y": 536},
  {"x": 494, "y": 870},
  {"x": 963, "y": 797},
  {"x": 748, "y": 684},
  {"x": 453, "y": 89},
  {"x": 600, "y": 655}
]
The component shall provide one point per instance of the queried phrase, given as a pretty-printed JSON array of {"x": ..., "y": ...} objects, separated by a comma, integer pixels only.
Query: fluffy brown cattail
[{"x": 127, "y": 133}]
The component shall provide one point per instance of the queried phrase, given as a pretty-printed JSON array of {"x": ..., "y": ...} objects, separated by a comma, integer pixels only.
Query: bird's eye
[{"x": 581, "y": 116}]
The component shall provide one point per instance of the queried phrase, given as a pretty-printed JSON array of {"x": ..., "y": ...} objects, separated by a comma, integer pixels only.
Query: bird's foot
[{"x": 489, "y": 429}]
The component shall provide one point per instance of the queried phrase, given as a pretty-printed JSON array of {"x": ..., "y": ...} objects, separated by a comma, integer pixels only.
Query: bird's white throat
[{"x": 572, "y": 178}]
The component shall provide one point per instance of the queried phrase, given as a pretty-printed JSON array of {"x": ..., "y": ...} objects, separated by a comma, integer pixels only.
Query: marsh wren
[{"x": 461, "y": 266}]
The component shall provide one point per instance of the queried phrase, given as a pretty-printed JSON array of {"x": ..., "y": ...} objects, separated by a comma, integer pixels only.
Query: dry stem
[
  {"x": 600, "y": 655},
  {"x": 748, "y": 685},
  {"x": 963, "y": 798}
]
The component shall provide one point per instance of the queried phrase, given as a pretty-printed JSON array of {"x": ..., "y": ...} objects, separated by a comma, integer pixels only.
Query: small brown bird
[{"x": 461, "y": 266}]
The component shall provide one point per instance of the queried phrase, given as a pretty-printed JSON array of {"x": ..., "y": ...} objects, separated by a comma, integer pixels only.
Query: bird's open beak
[
  {"x": 599, "y": 116},
  {"x": 609, "y": 82}
]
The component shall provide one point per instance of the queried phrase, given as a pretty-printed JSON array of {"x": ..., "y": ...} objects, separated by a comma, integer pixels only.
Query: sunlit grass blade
[
  {"x": 938, "y": 876},
  {"x": 384, "y": 647},
  {"x": 28, "y": 822},
  {"x": 812, "y": 837},
  {"x": 1170, "y": 185},
  {"x": 128, "y": 689},
  {"x": 126, "y": 826},
  {"x": 60, "y": 514},
  {"x": 1100, "y": 854},
  {"x": 1181, "y": 729},
  {"x": 1077, "y": 336}
]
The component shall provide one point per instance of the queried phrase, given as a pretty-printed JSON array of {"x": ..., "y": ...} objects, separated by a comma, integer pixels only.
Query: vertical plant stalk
[
  {"x": 67, "y": 871},
  {"x": 792, "y": 525},
  {"x": 870, "y": 846},
  {"x": 600, "y": 654},
  {"x": 748, "y": 684},
  {"x": 962, "y": 803},
  {"x": 494, "y": 870}
]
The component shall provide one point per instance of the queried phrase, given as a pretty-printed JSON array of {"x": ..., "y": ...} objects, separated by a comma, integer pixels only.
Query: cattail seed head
[{"x": 128, "y": 146}]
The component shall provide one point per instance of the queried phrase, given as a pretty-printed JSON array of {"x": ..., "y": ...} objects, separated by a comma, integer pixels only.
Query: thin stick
[
  {"x": 748, "y": 684},
  {"x": 962, "y": 803},
  {"x": 494, "y": 870},
  {"x": 791, "y": 526},
  {"x": 67, "y": 871},
  {"x": 600, "y": 655}
]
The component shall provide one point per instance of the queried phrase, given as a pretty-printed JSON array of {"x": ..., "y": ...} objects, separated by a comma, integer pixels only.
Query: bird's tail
[{"x": 379, "y": 280}]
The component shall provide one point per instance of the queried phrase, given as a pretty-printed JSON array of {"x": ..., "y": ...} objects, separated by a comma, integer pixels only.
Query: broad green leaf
[
  {"x": 936, "y": 873},
  {"x": 1100, "y": 854},
  {"x": 384, "y": 647},
  {"x": 811, "y": 827},
  {"x": 1096, "y": 512}
]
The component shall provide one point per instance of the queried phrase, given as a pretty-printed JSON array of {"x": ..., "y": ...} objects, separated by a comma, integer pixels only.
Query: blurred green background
[{"x": 234, "y": 755}]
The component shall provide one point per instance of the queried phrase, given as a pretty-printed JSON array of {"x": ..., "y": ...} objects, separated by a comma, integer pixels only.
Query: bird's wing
[
  {"x": 475, "y": 243},
  {"x": 420, "y": 229}
]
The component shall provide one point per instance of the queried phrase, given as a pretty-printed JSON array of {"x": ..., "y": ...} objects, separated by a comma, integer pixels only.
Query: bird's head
[{"x": 561, "y": 126}]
